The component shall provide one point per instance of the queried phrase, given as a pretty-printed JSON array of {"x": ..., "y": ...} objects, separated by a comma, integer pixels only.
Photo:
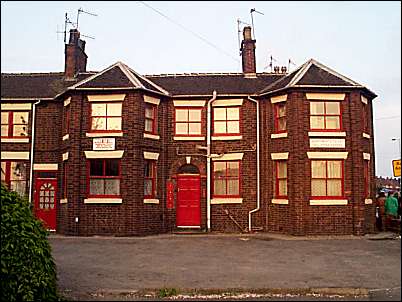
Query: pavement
[{"x": 256, "y": 267}]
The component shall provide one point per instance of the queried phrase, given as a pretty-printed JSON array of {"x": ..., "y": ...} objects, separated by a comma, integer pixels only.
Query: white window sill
[
  {"x": 368, "y": 201},
  {"x": 226, "y": 137},
  {"x": 15, "y": 140},
  {"x": 279, "y": 135},
  {"x": 189, "y": 138},
  {"x": 328, "y": 202},
  {"x": 151, "y": 136},
  {"x": 103, "y": 134},
  {"x": 66, "y": 137},
  {"x": 64, "y": 200},
  {"x": 365, "y": 135},
  {"x": 280, "y": 201},
  {"x": 149, "y": 200},
  {"x": 226, "y": 200},
  {"x": 313, "y": 133},
  {"x": 103, "y": 200}
]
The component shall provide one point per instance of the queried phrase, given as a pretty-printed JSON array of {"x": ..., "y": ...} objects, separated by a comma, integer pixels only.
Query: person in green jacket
[{"x": 391, "y": 206}]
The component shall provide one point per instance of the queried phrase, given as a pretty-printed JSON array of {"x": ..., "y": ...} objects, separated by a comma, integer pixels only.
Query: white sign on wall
[
  {"x": 327, "y": 143},
  {"x": 104, "y": 143}
]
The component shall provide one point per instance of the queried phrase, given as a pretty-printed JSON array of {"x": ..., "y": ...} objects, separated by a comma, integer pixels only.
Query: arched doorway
[{"x": 188, "y": 210}]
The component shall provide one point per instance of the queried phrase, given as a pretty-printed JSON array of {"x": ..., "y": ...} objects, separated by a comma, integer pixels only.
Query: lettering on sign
[
  {"x": 104, "y": 143},
  {"x": 396, "y": 164},
  {"x": 327, "y": 143}
]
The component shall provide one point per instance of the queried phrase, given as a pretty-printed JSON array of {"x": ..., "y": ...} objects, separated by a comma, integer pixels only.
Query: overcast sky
[{"x": 361, "y": 40}]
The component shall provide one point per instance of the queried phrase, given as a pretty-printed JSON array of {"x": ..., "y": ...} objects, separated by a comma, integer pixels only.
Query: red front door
[
  {"x": 45, "y": 202},
  {"x": 188, "y": 212}
]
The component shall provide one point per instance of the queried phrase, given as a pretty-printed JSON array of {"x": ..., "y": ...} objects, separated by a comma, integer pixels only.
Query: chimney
[
  {"x": 248, "y": 52},
  {"x": 75, "y": 57}
]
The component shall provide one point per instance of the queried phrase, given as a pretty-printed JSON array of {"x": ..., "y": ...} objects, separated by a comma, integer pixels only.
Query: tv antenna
[
  {"x": 253, "y": 10},
  {"x": 80, "y": 10},
  {"x": 66, "y": 22},
  {"x": 290, "y": 62},
  {"x": 272, "y": 59},
  {"x": 239, "y": 22}
]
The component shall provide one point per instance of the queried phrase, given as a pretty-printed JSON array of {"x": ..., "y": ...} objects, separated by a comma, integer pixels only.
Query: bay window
[
  {"x": 226, "y": 120},
  {"x": 14, "y": 176},
  {"x": 325, "y": 116},
  {"x": 226, "y": 179},
  {"x": 106, "y": 117},
  {"x": 188, "y": 122},
  {"x": 14, "y": 124},
  {"x": 104, "y": 177},
  {"x": 327, "y": 178}
]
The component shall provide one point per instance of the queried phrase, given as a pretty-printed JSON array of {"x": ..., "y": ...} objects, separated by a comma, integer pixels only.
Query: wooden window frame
[
  {"x": 103, "y": 176},
  {"x": 153, "y": 168},
  {"x": 324, "y": 115},
  {"x": 66, "y": 121},
  {"x": 187, "y": 122},
  {"x": 342, "y": 178},
  {"x": 277, "y": 178},
  {"x": 10, "y": 124},
  {"x": 239, "y": 120},
  {"x": 106, "y": 116},
  {"x": 277, "y": 117},
  {"x": 7, "y": 175},
  {"x": 226, "y": 177},
  {"x": 154, "y": 119}
]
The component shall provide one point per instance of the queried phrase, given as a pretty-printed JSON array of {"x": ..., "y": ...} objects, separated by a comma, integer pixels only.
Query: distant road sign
[{"x": 396, "y": 164}]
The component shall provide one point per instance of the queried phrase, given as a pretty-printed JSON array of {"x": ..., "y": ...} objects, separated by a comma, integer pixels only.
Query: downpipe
[{"x": 32, "y": 152}]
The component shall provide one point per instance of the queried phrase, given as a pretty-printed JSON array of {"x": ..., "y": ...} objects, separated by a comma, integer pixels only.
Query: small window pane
[
  {"x": 316, "y": 122},
  {"x": 233, "y": 114},
  {"x": 18, "y": 171},
  {"x": 219, "y": 169},
  {"x": 19, "y": 187},
  {"x": 3, "y": 171},
  {"x": 20, "y": 118},
  {"x": 4, "y": 117},
  {"x": 96, "y": 168},
  {"x": 195, "y": 115},
  {"x": 316, "y": 107},
  {"x": 96, "y": 187},
  {"x": 282, "y": 170},
  {"x": 149, "y": 125},
  {"x": 233, "y": 169},
  {"x": 220, "y": 127},
  {"x": 181, "y": 128},
  {"x": 282, "y": 187},
  {"x": 112, "y": 167},
  {"x": 282, "y": 124},
  {"x": 4, "y": 130},
  {"x": 148, "y": 187},
  {"x": 149, "y": 111},
  {"x": 219, "y": 187},
  {"x": 334, "y": 187},
  {"x": 114, "y": 123},
  {"x": 233, "y": 127},
  {"x": 334, "y": 169},
  {"x": 112, "y": 186},
  {"x": 148, "y": 171},
  {"x": 181, "y": 115},
  {"x": 318, "y": 187},
  {"x": 332, "y": 122},
  {"x": 20, "y": 130},
  {"x": 194, "y": 128},
  {"x": 332, "y": 108},
  {"x": 233, "y": 187},
  {"x": 98, "y": 123},
  {"x": 114, "y": 109},
  {"x": 281, "y": 110},
  {"x": 219, "y": 114},
  {"x": 98, "y": 109},
  {"x": 318, "y": 169}
]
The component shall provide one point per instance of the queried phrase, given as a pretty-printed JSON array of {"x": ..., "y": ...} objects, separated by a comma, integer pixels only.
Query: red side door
[
  {"x": 45, "y": 202},
  {"x": 188, "y": 212}
]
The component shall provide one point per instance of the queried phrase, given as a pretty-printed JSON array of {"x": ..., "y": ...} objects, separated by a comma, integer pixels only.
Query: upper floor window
[
  {"x": 365, "y": 118},
  {"x": 106, "y": 117},
  {"x": 226, "y": 120},
  {"x": 104, "y": 177},
  {"x": 66, "y": 121},
  {"x": 226, "y": 179},
  {"x": 14, "y": 123},
  {"x": 327, "y": 178},
  {"x": 280, "y": 117},
  {"x": 151, "y": 125},
  {"x": 367, "y": 182},
  {"x": 281, "y": 186},
  {"x": 14, "y": 175},
  {"x": 325, "y": 116},
  {"x": 150, "y": 179},
  {"x": 188, "y": 122}
]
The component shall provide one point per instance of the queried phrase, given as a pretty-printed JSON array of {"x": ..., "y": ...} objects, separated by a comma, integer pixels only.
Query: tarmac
[{"x": 256, "y": 267}]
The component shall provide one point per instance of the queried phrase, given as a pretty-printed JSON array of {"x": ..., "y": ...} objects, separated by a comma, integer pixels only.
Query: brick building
[{"x": 119, "y": 153}]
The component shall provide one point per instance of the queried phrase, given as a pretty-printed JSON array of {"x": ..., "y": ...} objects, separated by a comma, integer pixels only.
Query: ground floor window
[
  {"x": 14, "y": 175},
  {"x": 226, "y": 179},
  {"x": 149, "y": 178},
  {"x": 327, "y": 178},
  {"x": 281, "y": 181},
  {"x": 104, "y": 177}
]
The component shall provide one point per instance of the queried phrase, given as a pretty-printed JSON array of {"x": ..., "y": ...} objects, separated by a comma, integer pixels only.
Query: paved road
[{"x": 104, "y": 268}]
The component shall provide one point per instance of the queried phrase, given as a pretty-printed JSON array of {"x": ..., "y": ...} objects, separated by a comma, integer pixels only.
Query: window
[
  {"x": 104, "y": 177},
  {"x": 66, "y": 121},
  {"x": 367, "y": 179},
  {"x": 327, "y": 178},
  {"x": 14, "y": 175},
  {"x": 65, "y": 173},
  {"x": 14, "y": 124},
  {"x": 280, "y": 117},
  {"x": 365, "y": 118},
  {"x": 150, "y": 119},
  {"x": 226, "y": 120},
  {"x": 106, "y": 117},
  {"x": 150, "y": 179},
  {"x": 281, "y": 186},
  {"x": 188, "y": 122},
  {"x": 325, "y": 116},
  {"x": 226, "y": 179}
]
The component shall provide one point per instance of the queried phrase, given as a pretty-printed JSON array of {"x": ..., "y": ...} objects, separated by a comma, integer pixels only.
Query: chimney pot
[
  {"x": 248, "y": 52},
  {"x": 247, "y": 33}
]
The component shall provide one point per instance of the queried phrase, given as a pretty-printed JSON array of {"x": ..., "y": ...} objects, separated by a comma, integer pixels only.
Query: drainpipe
[
  {"x": 214, "y": 94},
  {"x": 258, "y": 163},
  {"x": 32, "y": 152}
]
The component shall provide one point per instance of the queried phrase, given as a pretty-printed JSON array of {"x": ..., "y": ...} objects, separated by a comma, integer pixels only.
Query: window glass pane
[
  {"x": 219, "y": 169},
  {"x": 318, "y": 187},
  {"x": 148, "y": 171},
  {"x": 42, "y": 174},
  {"x": 233, "y": 169},
  {"x": 4, "y": 130},
  {"x": 194, "y": 128},
  {"x": 112, "y": 167},
  {"x": 219, "y": 187},
  {"x": 282, "y": 124},
  {"x": 149, "y": 111},
  {"x": 334, "y": 187},
  {"x": 233, "y": 114},
  {"x": 96, "y": 167},
  {"x": 114, "y": 123},
  {"x": 148, "y": 187},
  {"x": 20, "y": 118},
  {"x": 332, "y": 122},
  {"x": 114, "y": 109},
  {"x": 3, "y": 171},
  {"x": 281, "y": 110},
  {"x": 19, "y": 187},
  {"x": 282, "y": 170},
  {"x": 220, "y": 127},
  {"x": 96, "y": 187},
  {"x": 98, "y": 109},
  {"x": 318, "y": 169},
  {"x": 332, "y": 108},
  {"x": 316, "y": 107},
  {"x": 334, "y": 169},
  {"x": 98, "y": 123},
  {"x": 316, "y": 122},
  {"x": 195, "y": 115},
  {"x": 18, "y": 171},
  {"x": 182, "y": 128},
  {"x": 112, "y": 186},
  {"x": 233, "y": 127},
  {"x": 181, "y": 115},
  {"x": 233, "y": 187},
  {"x": 20, "y": 130},
  {"x": 282, "y": 187},
  {"x": 219, "y": 114},
  {"x": 4, "y": 117},
  {"x": 149, "y": 125}
]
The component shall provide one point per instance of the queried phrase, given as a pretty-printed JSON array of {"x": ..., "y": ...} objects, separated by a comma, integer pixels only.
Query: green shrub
[{"x": 28, "y": 272}]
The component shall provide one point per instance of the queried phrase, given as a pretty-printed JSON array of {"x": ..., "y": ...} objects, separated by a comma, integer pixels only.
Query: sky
[{"x": 361, "y": 40}]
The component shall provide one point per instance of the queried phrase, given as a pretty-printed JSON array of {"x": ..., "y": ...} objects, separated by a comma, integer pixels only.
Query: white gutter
[
  {"x": 258, "y": 164},
  {"x": 214, "y": 94},
  {"x": 32, "y": 151}
]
